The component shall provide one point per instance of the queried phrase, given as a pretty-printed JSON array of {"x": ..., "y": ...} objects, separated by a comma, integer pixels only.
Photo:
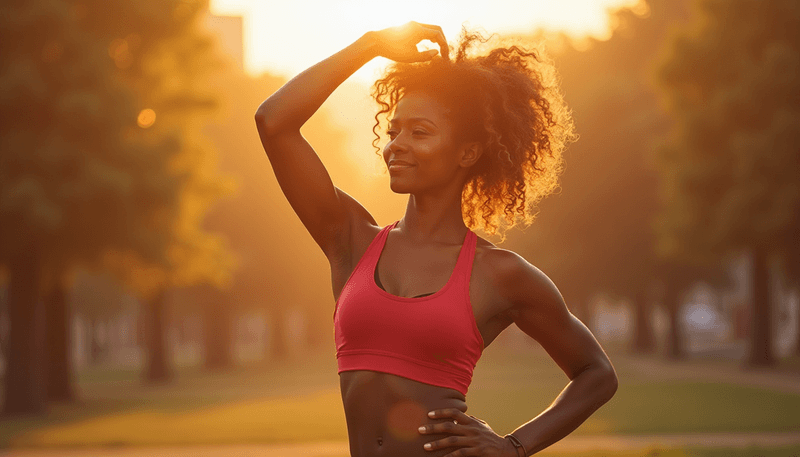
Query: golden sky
[{"x": 289, "y": 36}]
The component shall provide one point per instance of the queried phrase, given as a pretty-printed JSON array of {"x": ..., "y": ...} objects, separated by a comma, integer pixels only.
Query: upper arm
[
  {"x": 538, "y": 309},
  {"x": 327, "y": 213}
]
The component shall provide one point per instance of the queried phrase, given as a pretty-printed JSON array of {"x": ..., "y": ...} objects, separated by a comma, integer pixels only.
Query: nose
[{"x": 398, "y": 143}]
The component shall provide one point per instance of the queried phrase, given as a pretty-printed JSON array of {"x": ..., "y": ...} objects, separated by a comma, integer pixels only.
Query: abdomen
[{"x": 384, "y": 411}]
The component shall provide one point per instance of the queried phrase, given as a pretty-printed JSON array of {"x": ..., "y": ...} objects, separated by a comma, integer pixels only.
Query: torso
[{"x": 383, "y": 411}]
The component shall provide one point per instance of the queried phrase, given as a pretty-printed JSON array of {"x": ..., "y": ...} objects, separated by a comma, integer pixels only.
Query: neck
[{"x": 433, "y": 220}]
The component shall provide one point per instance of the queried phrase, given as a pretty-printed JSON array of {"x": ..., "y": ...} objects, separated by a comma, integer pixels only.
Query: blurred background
[{"x": 156, "y": 288}]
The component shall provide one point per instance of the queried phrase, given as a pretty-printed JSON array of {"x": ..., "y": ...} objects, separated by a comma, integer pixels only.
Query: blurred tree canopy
[
  {"x": 281, "y": 267},
  {"x": 730, "y": 169},
  {"x": 101, "y": 162},
  {"x": 596, "y": 234}
]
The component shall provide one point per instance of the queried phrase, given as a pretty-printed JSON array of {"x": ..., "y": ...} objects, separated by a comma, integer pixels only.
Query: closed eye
[{"x": 393, "y": 133}]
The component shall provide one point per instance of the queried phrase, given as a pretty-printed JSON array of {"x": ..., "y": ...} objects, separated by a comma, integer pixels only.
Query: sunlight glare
[{"x": 287, "y": 37}]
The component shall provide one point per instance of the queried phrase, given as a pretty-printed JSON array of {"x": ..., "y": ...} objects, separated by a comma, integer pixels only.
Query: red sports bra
[{"x": 432, "y": 339}]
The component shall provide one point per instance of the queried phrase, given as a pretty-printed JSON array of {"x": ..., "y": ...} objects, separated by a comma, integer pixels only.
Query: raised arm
[{"x": 325, "y": 211}]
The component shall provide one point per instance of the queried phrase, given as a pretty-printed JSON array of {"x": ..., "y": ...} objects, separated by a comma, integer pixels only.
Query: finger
[
  {"x": 425, "y": 55},
  {"x": 436, "y": 35},
  {"x": 453, "y": 413},
  {"x": 450, "y": 441},
  {"x": 450, "y": 428}
]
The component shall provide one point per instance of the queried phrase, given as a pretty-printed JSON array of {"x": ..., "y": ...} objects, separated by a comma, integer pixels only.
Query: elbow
[
  {"x": 271, "y": 122},
  {"x": 265, "y": 122},
  {"x": 609, "y": 382},
  {"x": 603, "y": 381}
]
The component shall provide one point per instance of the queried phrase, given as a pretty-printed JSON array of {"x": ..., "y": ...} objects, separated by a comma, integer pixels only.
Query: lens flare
[
  {"x": 147, "y": 118},
  {"x": 404, "y": 419}
]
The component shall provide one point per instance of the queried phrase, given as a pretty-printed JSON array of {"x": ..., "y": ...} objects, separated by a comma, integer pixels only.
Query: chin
[{"x": 399, "y": 189}]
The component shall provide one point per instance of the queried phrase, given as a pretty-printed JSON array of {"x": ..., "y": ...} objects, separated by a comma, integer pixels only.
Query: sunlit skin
[{"x": 391, "y": 415}]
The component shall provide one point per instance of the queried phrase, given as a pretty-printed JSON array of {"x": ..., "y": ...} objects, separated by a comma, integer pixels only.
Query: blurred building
[
  {"x": 229, "y": 31},
  {"x": 715, "y": 321}
]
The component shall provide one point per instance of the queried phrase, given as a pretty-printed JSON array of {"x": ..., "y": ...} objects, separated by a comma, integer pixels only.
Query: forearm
[
  {"x": 294, "y": 103},
  {"x": 580, "y": 399}
]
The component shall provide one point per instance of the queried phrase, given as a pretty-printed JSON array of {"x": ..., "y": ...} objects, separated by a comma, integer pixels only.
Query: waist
[{"x": 384, "y": 411}]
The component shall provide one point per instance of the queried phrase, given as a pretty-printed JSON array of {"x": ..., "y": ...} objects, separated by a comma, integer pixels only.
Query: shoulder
[{"x": 524, "y": 288}]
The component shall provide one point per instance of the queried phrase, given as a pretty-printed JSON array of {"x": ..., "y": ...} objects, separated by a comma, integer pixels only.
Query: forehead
[{"x": 420, "y": 104}]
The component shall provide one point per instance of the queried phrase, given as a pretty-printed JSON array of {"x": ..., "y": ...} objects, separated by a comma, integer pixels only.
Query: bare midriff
[{"x": 384, "y": 413}]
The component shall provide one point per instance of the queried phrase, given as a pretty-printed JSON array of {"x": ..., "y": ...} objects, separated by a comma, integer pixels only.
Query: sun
[{"x": 285, "y": 38}]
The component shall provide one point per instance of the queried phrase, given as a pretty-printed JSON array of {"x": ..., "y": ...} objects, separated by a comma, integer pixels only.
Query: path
[{"x": 340, "y": 449}]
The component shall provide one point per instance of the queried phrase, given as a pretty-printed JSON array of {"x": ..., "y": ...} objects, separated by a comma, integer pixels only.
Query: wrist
[
  {"x": 368, "y": 44},
  {"x": 516, "y": 446}
]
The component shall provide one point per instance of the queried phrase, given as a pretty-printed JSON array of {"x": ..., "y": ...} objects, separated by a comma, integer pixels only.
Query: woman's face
[{"x": 421, "y": 134}]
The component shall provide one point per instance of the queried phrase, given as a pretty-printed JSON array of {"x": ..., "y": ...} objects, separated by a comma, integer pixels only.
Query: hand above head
[
  {"x": 469, "y": 435},
  {"x": 400, "y": 43}
]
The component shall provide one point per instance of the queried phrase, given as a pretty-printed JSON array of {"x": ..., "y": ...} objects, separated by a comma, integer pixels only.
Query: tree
[
  {"x": 96, "y": 106},
  {"x": 730, "y": 167},
  {"x": 601, "y": 222},
  {"x": 281, "y": 267}
]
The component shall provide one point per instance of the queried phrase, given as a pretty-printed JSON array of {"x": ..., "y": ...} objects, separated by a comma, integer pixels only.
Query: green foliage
[
  {"x": 730, "y": 169},
  {"x": 601, "y": 223},
  {"x": 86, "y": 169}
]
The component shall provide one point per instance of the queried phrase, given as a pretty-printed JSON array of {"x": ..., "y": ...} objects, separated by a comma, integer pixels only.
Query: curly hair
[{"x": 508, "y": 100}]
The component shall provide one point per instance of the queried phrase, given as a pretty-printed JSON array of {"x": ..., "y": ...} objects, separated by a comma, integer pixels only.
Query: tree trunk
[
  {"x": 643, "y": 341},
  {"x": 672, "y": 304},
  {"x": 59, "y": 347},
  {"x": 25, "y": 376},
  {"x": 217, "y": 334},
  {"x": 761, "y": 353},
  {"x": 797, "y": 322},
  {"x": 158, "y": 369},
  {"x": 277, "y": 335},
  {"x": 95, "y": 349},
  {"x": 795, "y": 281}
]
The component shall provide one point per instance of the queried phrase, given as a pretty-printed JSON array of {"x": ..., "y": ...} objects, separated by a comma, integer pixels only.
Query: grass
[
  {"x": 512, "y": 389},
  {"x": 300, "y": 401},
  {"x": 786, "y": 451}
]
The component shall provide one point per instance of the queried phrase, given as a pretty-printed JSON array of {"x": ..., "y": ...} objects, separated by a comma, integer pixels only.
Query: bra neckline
[{"x": 439, "y": 292}]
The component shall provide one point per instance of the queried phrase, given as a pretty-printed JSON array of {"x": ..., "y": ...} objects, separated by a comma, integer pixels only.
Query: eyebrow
[{"x": 412, "y": 119}]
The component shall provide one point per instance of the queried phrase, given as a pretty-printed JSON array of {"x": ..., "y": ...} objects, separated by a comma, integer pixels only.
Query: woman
[{"x": 471, "y": 135}]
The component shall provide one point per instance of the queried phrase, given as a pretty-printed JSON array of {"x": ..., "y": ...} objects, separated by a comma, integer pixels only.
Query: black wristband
[{"x": 517, "y": 444}]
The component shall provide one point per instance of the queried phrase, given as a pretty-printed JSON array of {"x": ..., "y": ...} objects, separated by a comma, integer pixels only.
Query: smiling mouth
[{"x": 396, "y": 167}]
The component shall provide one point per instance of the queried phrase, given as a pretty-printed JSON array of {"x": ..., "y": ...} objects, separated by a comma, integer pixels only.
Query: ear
[{"x": 470, "y": 153}]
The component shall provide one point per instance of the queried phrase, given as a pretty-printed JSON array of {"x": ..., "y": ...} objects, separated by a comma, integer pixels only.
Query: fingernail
[
  {"x": 422, "y": 429},
  {"x": 431, "y": 414},
  {"x": 427, "y": 446}
]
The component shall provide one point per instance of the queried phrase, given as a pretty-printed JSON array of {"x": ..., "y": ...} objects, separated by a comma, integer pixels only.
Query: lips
[
  {"x": 399, "y": 162},
  {"x": 396, "y": 166}
]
